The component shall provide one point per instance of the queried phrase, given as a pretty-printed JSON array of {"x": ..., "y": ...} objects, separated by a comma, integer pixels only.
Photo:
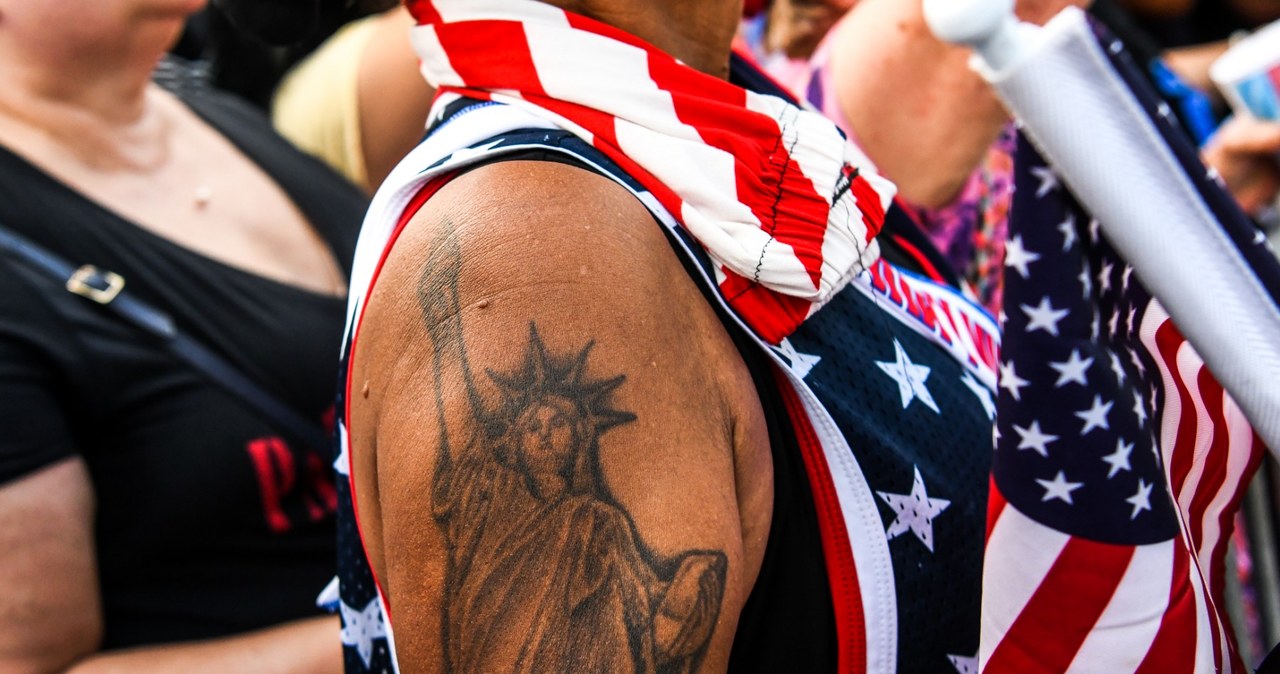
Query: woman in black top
[{"x": 150, "y": 521}]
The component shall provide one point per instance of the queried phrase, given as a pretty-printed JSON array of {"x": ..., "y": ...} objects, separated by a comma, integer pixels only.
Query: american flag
[{"x": 1120, "y": 461}]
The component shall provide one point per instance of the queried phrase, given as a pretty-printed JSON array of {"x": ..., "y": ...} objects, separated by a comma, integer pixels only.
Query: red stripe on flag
[
  {"x": 479, "y": 65},
  {"x": 1168, "y": 342},
  {"x": 1060, "y": 614},
  {"x": 1214, "y": 462},
  {"x": 774, "y": 315},
  {"x": 802, "y": 225},
  {"x": 842, "y": 574},
  {"x": 995, "y": 505},
  {"x": 1174, "y": 649}
]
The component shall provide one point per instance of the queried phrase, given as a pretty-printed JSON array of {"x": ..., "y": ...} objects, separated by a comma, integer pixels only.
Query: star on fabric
[
  {"x": 1068, "y": 229},
  {"x": 342, "y": 464},
  {"x": 1137, "y": 362},
  {"x": 914, "y": 512},
  {"x": 1095, "y": 229},
  {"x": 1043, "y": 316},
  {"x": 1059, "y": 488},
  {"x": 964, "y": 665},
  {"x": 1048, "y": 180},
  {"x": 1086, "y": 281},
  {"x": 1104, "y": 277},
  {"x": 1124, "y": 277},
  {"x": 801, "y": 363},
  {"x": 1032, "y": 437},
  {"x": 1095, "y": 326},
  {"x": 1131, "y": 319},
  {"x": 1113, "y": 325},
  {"x": 1141, "y": 499},
  {"x": 1259, "y": 237},
  {"x": 1072, "y": 370},
  {"x": 983, "y": 394},
  {"x": 1117, "y": 367},
  {"x": 1139, "y": 409},
  {"x": 360, "y": 628},
  {"x": 910, "y": 378},
  {"x": 1017, "y": 256},
  {"x": 1164, "y": 110},
  {"x": 1119, "y": 459},
  {"x": 1011, "y": 382},
  {"x": 1095, "y": 416}
]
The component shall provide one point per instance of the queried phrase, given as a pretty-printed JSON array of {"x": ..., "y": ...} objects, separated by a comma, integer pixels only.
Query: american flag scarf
[{"x": 784, "y": 206}]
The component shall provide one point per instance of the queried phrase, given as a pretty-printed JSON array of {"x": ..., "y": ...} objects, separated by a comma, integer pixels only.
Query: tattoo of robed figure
[{"x": 546, "y": 571}]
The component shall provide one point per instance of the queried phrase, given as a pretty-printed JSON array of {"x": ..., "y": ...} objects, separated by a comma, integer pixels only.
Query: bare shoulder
[{"x": 559, "y": 422}]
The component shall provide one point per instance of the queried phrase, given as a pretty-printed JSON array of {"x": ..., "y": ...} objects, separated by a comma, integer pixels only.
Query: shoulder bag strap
[{"x": 107, "y": 289}]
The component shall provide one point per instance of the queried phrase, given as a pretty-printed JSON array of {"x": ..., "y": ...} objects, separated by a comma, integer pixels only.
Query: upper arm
[
  {"x": 50, "y": 613},
  {"x": 49, "y": 604},
  {"x": 554, "y": 435}
]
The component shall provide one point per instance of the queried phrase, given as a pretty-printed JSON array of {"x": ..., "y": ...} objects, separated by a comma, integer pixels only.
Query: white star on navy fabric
[
  {"x": 1137, "y": 362},
  {"x": 1164, "y": 110},
  {"x": 1059, "y": 488},
  {"x": 1018, "y": 257},
  {"x": 1117, "y": 367},
  {"x": 982, "y": 392},
  {"x": 964, "y": 665},
  {"x": 1032, "y": 437},
  {"x": 1072, "y": 370},
  {"x": 1124, "y": 277},
  {"x": 1086, "y": 281},
  {"x": 914, "y": 512},
  {"x": 1104, "y": 277},
  {"x": 1044, "y": 317},
  {"x": 1130, "y": 319},
  {"x": 1139, "y": 409},
  {"x": 1011, "y": 382},
  {"x": 1113, "y": 325},
  {"x": 1048, "y": 180},
  {"x": 910, "y": 378},
  {"x": 1095, "y": 416},
  {"x": 801, "y": 363},
  {"x": 360, "y": 628},
  {"x": 1259, "y": 237},
  {"x": 1141, "y": 500},
  {"x": 342, "y": 464},
  {"x": 1095, "y": 229},
  {"x": 1119, "y": 459},
  {"x": 1068, "y": 229}
]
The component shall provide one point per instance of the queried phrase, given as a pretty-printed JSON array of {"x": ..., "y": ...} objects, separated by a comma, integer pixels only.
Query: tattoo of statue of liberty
[{"x": 546, "y": 570}]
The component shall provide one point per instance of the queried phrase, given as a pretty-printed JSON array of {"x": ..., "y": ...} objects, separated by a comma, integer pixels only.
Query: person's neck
[
  {"x": 697, "y": 33},
  {"x": 105, "y": 115}
]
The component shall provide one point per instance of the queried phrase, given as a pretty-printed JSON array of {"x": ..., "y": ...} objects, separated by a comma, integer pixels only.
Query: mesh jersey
[{"x": 879, "y": 411}]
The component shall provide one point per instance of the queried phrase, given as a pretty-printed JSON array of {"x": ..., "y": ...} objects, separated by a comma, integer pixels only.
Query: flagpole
[{"x": 1058, "y": 81}]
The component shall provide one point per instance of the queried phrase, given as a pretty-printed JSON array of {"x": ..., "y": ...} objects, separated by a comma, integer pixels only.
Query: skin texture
[
  {"x": 796, "y": 27},
  {"x": 914, "y": 105},
  {"x": 1246, "y": 153},
  {"x": 77, "y": 102},
  {"x": 521, "y": 452},
  {"x": 393, "y": 98}
]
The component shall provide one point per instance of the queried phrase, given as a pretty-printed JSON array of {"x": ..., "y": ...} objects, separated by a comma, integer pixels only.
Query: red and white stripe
[
  {"x": 1057, "y": 603},
  {"x": 718, "y": 157}
]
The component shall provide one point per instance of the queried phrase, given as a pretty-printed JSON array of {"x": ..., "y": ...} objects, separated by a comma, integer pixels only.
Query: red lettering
[
  {"x": 273, "y": 462},
  {"x": 314, "y": 497}
]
